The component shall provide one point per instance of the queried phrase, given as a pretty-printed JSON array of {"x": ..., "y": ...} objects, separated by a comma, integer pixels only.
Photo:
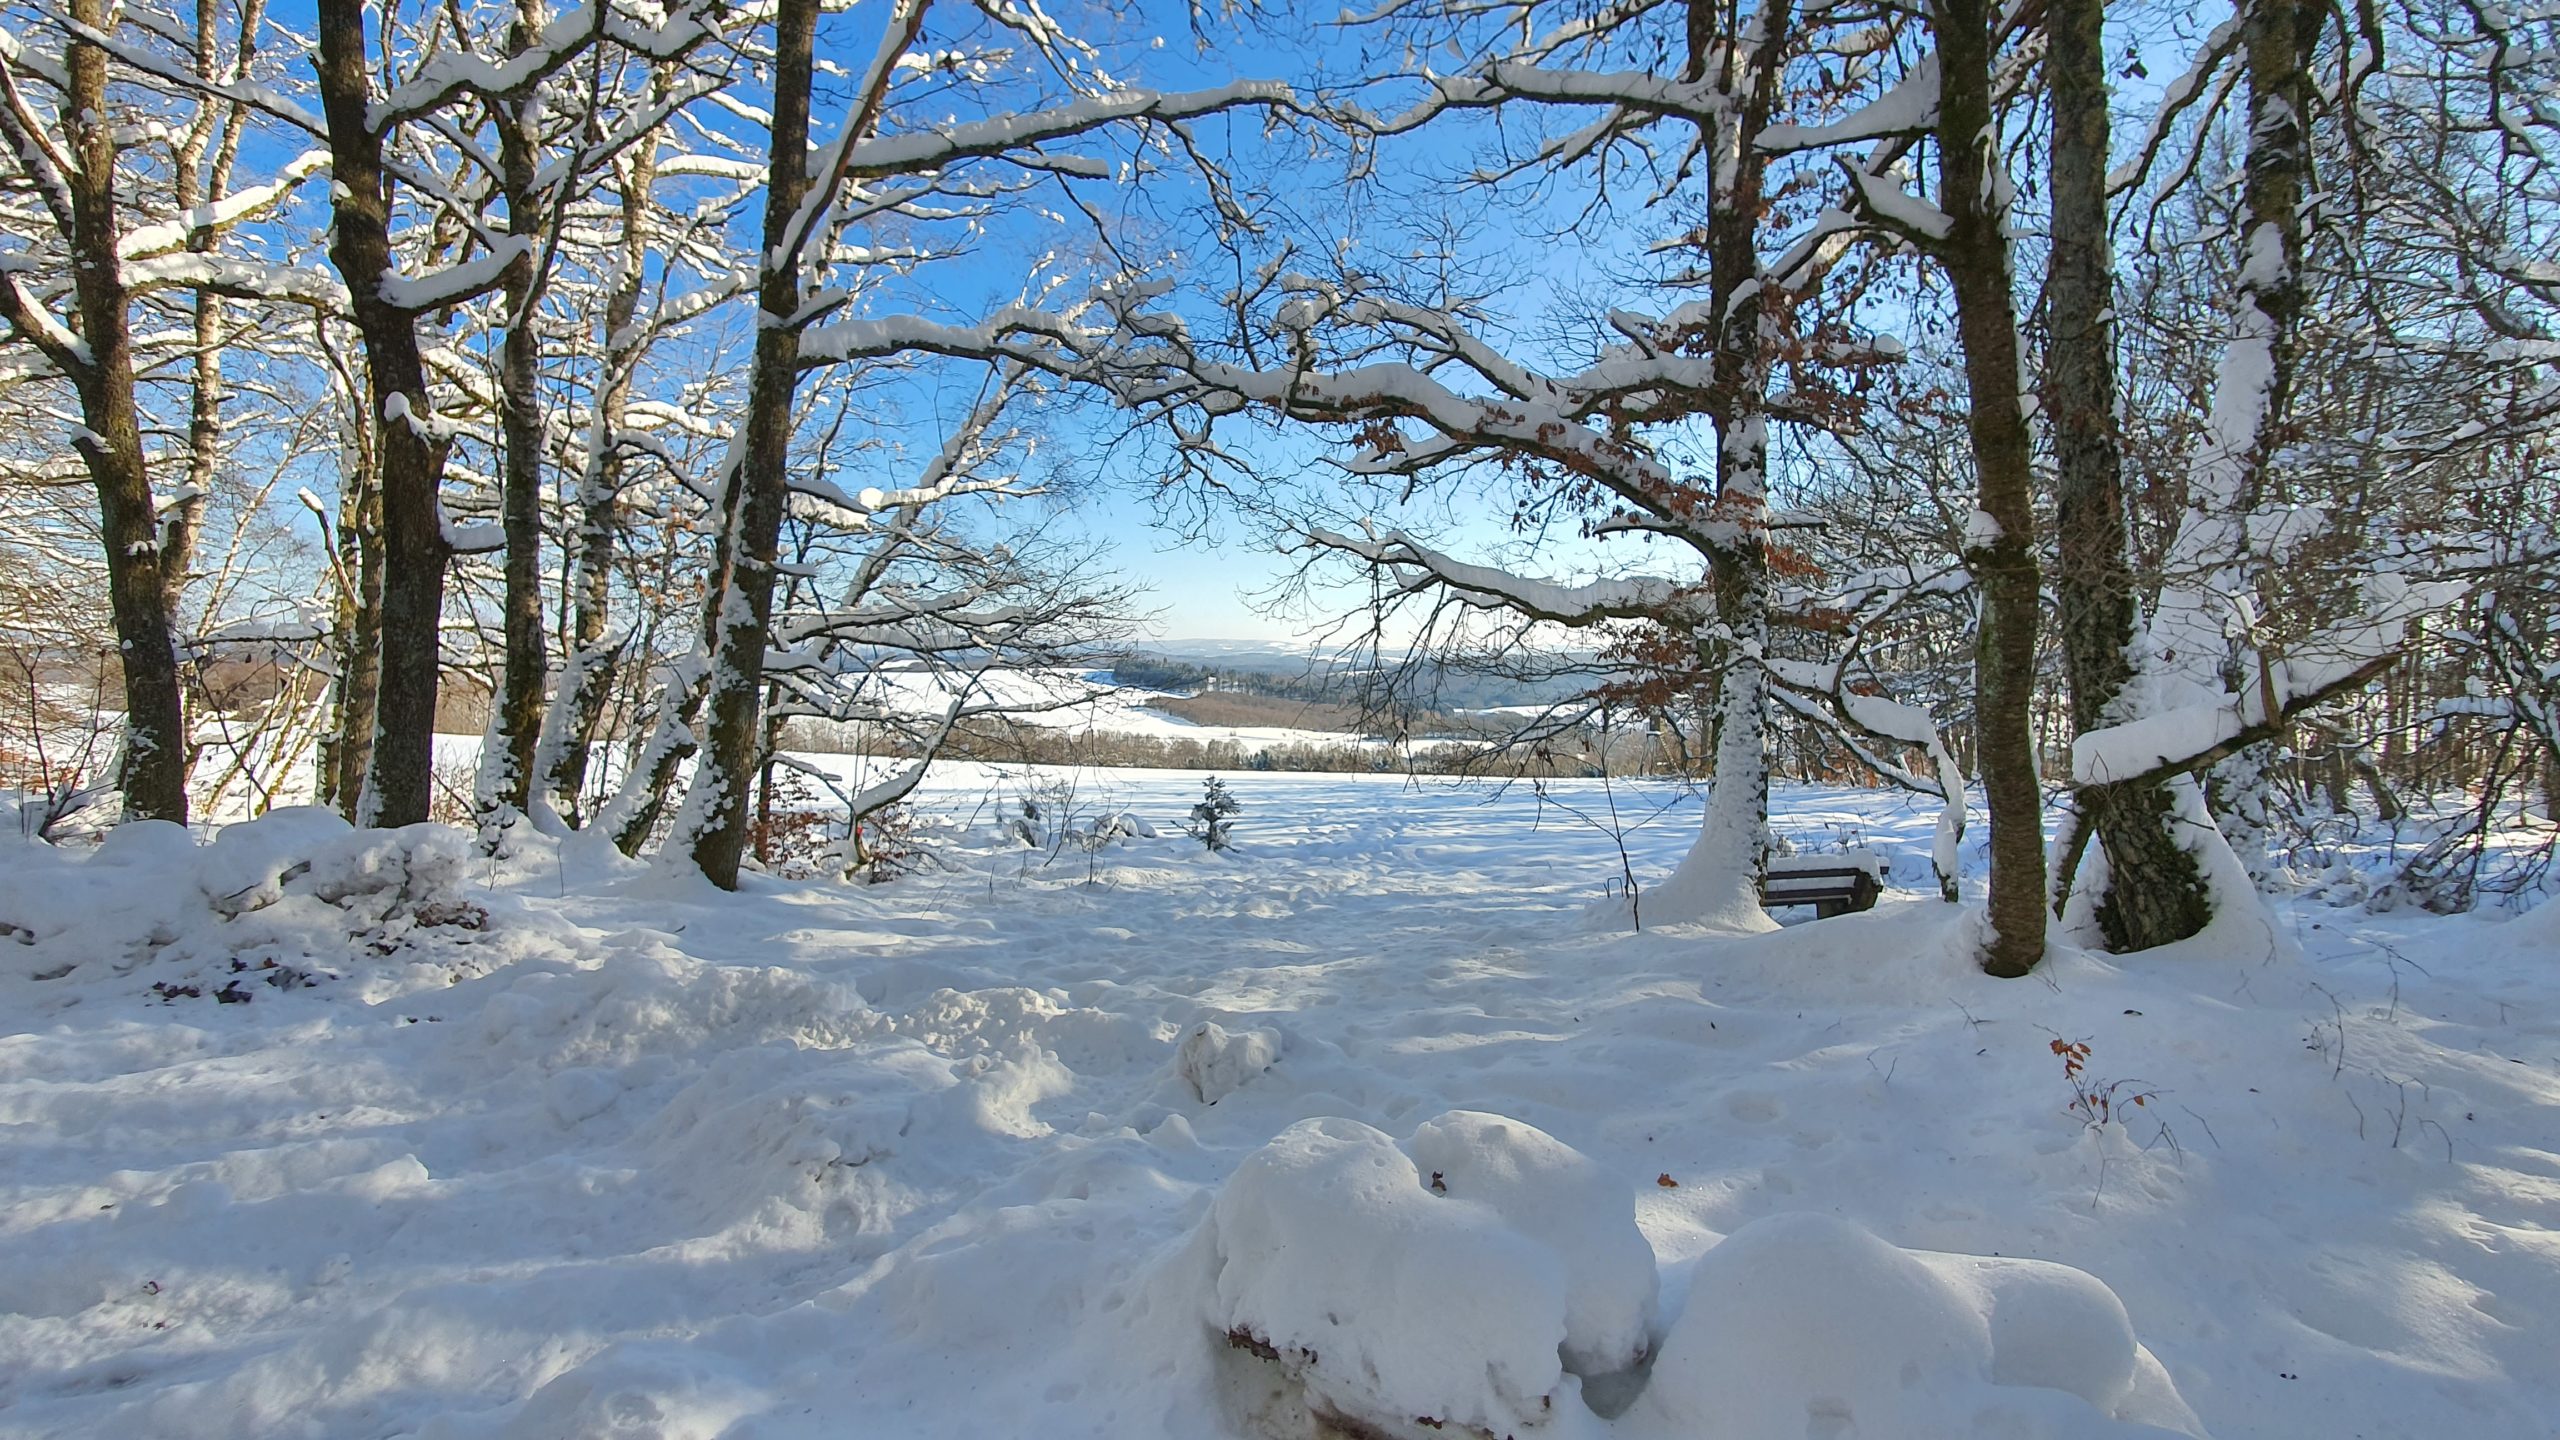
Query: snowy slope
[{"x": 567, "y": 1148}]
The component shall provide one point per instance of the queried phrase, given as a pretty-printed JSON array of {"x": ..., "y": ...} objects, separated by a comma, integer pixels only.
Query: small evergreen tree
[{"x": 1209, "y": 817}]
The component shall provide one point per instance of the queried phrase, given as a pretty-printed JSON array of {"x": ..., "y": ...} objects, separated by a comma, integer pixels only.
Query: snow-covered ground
[{"x": 559, "y": 1147}]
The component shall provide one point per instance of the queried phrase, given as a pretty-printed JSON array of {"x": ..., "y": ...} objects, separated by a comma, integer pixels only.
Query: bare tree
[
  {"x": 69, "y": 159},
  {"x": 2151, "y": 891},
  {"x": 861, "y": 174}
]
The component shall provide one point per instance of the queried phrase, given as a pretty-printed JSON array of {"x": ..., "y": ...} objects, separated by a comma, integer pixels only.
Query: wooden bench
[{"x": 1831, "y": 884}]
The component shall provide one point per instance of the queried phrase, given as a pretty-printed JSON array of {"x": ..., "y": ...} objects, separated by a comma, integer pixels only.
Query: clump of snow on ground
[
  {"x": 1213, "y": 1061},
  {"x": 295, "y": 898}
]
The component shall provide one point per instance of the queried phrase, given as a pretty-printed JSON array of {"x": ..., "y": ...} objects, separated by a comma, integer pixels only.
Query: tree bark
[
  {"x": 198, "y": 183},
  {"x": 2000, "y": 545},
  {"x": 2150, "y": 892},
  {"x": 1745, "y": 350},
  {"x": 2279, "y": 36},
  {"x": 409, "y": 457},
  {"x": 631, "y": 816}
]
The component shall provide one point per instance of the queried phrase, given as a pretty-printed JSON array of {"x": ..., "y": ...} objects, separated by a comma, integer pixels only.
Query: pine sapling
[{"x": 1209, "y": 818}]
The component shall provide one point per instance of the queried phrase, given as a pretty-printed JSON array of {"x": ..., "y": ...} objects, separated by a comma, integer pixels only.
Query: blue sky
[{"x": 1210, "y": 576}]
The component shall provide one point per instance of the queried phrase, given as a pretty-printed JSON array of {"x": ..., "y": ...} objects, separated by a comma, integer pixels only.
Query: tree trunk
[
  {"x": 2150, "y": 892},
  {"x": 587, "y": 677},
  {"x": 632, "y": 814},
  {"x": 154, "y": 773},
  {"x": 2000, "y": 544},
  {"x": 1719, "y": 880},
  {"x": 506, "y": 770},
  {"x": 409, "y": 457},
  {"x": 2209, "y": 561},
  {"x": 358, "y": 545},
  {"x": 738, "y": 611},
  {"x": 196, "y": 185}
]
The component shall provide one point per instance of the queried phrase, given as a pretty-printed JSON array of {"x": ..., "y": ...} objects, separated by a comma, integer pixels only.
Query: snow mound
[
  {"x": 1451, "y": 1295},
  {"x": 1558, "y": 1197},
  {"x": 158, "y": 843},
  {"x": 1215, "y": 1062},
  {"x": 1805, "y": 1325},
  {"x": 1390, "y": 1303}
]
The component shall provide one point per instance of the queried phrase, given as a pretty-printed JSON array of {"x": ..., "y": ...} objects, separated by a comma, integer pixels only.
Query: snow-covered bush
[
  {"x": 1409, "y": 1296},
  {"x": 414, "y": 871},
  {"x": 288, "y": 898},
  {"x": 246, "y": 866},
  {"x": 1390, "y": 1303},
  {"x": 1471, "y": 1280},
  {"x": 1119, "y": 825},
  {"x": 417, "y": 867}
]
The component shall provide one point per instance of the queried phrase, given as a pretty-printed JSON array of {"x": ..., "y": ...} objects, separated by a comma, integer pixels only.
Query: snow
[
  {"x": 1417, "y": 566},
  {"x": 1863, "y": 860},
  {"x": 162, "y": 236},
  {"x": 563, "y": 1145},
  {"x": 1561, "y": 1199},
  {"x": 475, "y": 539},
  {"x": 453, "y": 284},
  {"x": 1910, "y": 107},
  {"x": 1884, "y": 197}
]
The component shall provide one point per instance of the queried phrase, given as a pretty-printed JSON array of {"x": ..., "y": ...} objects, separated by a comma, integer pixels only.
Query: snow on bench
[{"x": 1832, "y": 884}]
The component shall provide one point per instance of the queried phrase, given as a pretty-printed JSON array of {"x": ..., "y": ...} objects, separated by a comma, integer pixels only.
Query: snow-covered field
[{"x": 560, "y": 1147}]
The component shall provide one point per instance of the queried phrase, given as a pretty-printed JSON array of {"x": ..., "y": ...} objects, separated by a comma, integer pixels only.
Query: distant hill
[{"x": 1236, "y": 668}]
